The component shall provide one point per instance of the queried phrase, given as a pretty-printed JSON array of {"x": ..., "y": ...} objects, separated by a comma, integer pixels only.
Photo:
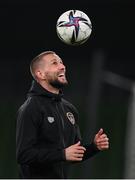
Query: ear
[{"x": 40, "y": 75}]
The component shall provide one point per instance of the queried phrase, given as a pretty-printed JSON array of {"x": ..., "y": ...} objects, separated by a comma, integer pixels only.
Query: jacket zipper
[
  {"x": 62, "y": 123},
  {"x": 63, "y": 140}
]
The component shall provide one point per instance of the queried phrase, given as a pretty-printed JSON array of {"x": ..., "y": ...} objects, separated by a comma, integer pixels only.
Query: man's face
[{"x": 53, "y": 71}]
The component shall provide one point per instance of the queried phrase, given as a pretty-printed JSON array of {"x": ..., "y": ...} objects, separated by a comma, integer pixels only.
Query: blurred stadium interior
[{"x": 101, "y": 75}]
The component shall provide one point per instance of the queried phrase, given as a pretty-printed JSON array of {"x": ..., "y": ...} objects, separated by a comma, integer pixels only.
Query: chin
[
  {"x": 63, "y": 82},
  {"x": 59, "y": 84}
]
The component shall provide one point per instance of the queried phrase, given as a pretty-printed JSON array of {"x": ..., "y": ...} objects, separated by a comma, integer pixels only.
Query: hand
[
  {"x": 101, "y": 140},
  {"x": 75, "y": 152}
]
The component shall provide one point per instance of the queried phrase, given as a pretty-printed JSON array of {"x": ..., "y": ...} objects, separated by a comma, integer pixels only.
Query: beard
[{"x": 58, "y": 84}]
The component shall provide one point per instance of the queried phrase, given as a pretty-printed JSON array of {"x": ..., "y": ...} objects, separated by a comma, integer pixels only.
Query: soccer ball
[{"x": 74, "y": 27}]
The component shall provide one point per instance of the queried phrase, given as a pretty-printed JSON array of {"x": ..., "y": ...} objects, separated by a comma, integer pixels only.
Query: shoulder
[
  {"x": 29, "y": 106},
  {"x": 29, "y": 112}
]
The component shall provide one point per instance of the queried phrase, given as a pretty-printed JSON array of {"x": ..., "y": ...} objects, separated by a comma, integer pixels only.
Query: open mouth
[{"x": 61, "y": 75}]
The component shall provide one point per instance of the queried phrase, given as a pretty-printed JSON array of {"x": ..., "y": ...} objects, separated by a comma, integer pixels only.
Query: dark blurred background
[{"x": 100, "y": 72}]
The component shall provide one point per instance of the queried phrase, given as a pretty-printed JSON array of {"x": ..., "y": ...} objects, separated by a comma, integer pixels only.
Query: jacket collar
[{"x": 37, "y": 90}]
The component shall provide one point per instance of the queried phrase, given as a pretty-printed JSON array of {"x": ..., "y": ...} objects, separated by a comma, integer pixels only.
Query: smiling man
[
  {"x": 47, "y": 133},
  {"x": 49, "y": 70}
]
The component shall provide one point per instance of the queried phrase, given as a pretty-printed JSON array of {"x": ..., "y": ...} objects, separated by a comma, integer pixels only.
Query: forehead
[{"x": 50, "y": 57}]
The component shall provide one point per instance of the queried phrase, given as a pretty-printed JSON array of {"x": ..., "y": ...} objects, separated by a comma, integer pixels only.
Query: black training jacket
[{"x": 46, "y": 125}]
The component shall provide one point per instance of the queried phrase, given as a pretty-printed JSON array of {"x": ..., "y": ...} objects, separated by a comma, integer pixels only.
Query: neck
[{"x": 49, "y": 88}]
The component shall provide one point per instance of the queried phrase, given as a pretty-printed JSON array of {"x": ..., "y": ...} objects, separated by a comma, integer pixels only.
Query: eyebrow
[{"x": 56, "y": 60}]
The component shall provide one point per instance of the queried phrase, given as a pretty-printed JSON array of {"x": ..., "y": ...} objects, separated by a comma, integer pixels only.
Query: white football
[{"x": 74, "y": 27}]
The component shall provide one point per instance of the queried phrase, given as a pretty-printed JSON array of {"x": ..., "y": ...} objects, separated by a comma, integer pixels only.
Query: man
[{"x": 48, "y": 137}]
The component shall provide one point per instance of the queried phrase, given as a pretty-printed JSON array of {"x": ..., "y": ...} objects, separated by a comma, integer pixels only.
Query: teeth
[{"x": 61, "y": 74}]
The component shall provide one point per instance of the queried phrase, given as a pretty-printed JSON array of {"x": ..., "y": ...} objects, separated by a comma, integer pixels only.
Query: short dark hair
[{"x": 35, "y": 61}]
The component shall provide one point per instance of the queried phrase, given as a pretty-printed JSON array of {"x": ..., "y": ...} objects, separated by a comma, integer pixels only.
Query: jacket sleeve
[
  {"x": 91, "y": 148},
  {"x": 27, "y": 151}
]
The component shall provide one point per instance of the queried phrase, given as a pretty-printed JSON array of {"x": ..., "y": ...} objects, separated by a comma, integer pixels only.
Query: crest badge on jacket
[
  {"x": 50, "y": 119},
  {"x": 70, "y": 117}
]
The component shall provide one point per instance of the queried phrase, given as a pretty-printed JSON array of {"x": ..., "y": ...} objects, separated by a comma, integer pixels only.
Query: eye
[
  {"x": 54, "y": 62},
  {"x": 61, "y": 62}
]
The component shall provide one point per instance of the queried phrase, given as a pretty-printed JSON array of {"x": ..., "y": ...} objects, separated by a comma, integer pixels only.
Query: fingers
[
  {"x": 75, "y": 152},
  {"x": 100, "y": 132},
  {"x": 79, "y": 152},
  {"x": 101, "y": 140},
  {"x": 103, "y": 144},
  {"x": 76, "y": 159},
  {"x": 78, "y": 146},
  {"x": 103, "y": 136},
  {"x": 78, "y": 156},
  {"x": 101, "y": 148}
]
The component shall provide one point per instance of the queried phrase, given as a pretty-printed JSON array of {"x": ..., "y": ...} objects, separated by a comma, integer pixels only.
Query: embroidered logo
[
  {"x": 71, "y": 118},
  {"x": 50, "y": 119}
]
